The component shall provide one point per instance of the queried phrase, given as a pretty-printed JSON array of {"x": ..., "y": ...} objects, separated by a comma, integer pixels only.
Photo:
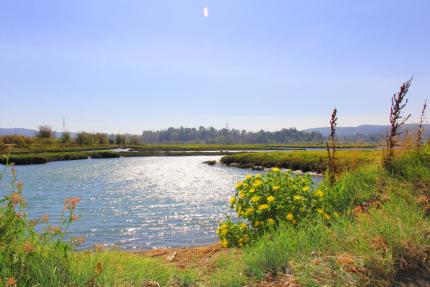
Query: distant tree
[
  {"x": 134, "y": 140},
  {"x": 101, "y": 138},
  {"x": 84, "y": 138},
  {"x": 120, "y": 139},
  {"x": 45, "y": 132},
  {"x": 65, "y": 137}
]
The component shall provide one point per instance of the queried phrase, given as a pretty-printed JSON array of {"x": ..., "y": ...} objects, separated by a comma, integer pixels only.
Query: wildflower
[
  {"x": 257, "y": 175},
  {"x": 294, "y": 222},
  {"x": 290, "y": 216},
  {"x": 252, "y": 190},
  {"x": 249, "y": 211},
  {"x": 327, "y": 216},
  {"x": 44, "y": 218},
  {"x": 241, "y": 194},
  {"x": 232, "y": 200},
  {"x": 257, "y": 223},
  {"x": 320, "y": 210},
  {"x": 54, "y": 229},
  {"x": 20, "y": 186},
  {"x": 297, "y": 197},
  {"x": 270, "y": 199},
  {"x": 305, "y": 188},
  {"x": 243, "y": 226},
  {"x": 71, "y": 202},
  {"x": 98, "y": 247},
  {"x": 275, "y": 169},
  {"x": 271, "y": 221},
  {"x": 255, "y": 198},
  {"x": 248, "y": 176},
  {"x": 224, "y": 243},
  {"x": 275, "y": 188},
  {"x": 239, "y": 184},
  {"x": 222, "y": 230},
  {"x": 319, "y": 193},
  {"x": 257, "y": 183},
  {"x": 11, "y": 282},
  {"x": 16, "y": 198},
  {"x": 78, "y": 240},
  {"x": 263, "y": 207},
  {"x": 28, "y": 247}
]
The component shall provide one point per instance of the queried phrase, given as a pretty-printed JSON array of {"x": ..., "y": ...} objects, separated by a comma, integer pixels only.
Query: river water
[{"x": 134, "y": 203}]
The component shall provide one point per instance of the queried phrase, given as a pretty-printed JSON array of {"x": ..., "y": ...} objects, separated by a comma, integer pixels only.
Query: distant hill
[
  {"x": 17, "y": 131},
  {"x": 26, "y": 132},
  {"x": 376, "y": 130}
]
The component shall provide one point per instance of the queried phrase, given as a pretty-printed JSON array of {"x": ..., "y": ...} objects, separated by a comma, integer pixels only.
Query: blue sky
[{"x": 126, "y": 66}]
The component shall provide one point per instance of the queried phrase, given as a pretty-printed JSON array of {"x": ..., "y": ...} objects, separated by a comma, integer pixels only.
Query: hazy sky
[{"x": 126, "y": 66}]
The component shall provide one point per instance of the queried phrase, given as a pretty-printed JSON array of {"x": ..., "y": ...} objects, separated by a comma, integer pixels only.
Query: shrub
[
  {"x": 264, "y": 201},
  {"x": 28, "y": 258}
]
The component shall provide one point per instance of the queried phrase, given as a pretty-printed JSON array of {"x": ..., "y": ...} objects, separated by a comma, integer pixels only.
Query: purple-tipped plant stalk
[
  {"x": 420, "y": 131},
  {"x": 397, "y": 120},
  {"x": 331, "y": 148}
]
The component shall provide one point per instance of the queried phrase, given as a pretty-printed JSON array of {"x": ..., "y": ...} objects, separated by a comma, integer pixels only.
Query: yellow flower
[
  {"x": 252, "y": 190},
  {"x": 232, "y": 200},
  {"x": 275, "y": 188},
  {"x": 305, "y": 188},
  {"x": 255, "y": 198},
  {"x": 270, "y": 221},
  {"x": 270, "y": 199},
  {"x": 263, "y": 207},
  {"x": 239, "y": 184},
  {"x": 298, "y": 197},
  {"x": 319, "y": 193},
  {"x": 275, "y": 169},
  {"x": 327, "y": 216},
  {"x": 248, "y": 176},
  {"x": 257, "y": 175},
  {"x": 290, "y": 216},
  {"x": 320, "y": 210},
  {"x": 241, "y": 194},
  {"x": 249, "y": 211},
  {"x": 243, "y": 226},
  {"x": 257, "y": 223},
  {"x": 294, "y": 221},
  {"x": 224, "y": 243},
  {"x": 257, "y": 183}
]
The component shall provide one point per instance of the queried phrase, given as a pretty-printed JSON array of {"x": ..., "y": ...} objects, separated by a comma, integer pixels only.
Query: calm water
[{"x": 142, "y": 202}]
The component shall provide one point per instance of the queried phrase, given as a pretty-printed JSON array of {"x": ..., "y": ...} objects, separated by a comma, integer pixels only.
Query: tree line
[{"x": 211, "y": 135}]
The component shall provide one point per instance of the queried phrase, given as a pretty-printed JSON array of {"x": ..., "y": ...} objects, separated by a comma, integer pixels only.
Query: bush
[
  {"x": 264, "y": 201},
  {"x": 28, "y": 258}
]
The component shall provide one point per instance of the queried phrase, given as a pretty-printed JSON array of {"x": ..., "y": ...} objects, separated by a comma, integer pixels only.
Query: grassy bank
[
  {"x": 310, "y": 160},
  {"x": 41, "y": 158},
  {"x": 378, "y": 236}
]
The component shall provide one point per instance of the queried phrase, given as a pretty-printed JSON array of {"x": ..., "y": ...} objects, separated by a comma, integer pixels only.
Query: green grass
[
  {"x": 382, "y": 232},
  {"x": 310, "y": 160},
  {"x": 118, "y": 269}
]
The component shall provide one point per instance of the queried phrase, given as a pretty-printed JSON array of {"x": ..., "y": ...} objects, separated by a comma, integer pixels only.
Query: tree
[
  {"x": 45, "y": 132},
  {"x": 65, "y": 137}
]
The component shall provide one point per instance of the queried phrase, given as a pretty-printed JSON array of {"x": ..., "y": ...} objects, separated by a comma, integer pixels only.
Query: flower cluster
[{"x": 263, "y": 201}]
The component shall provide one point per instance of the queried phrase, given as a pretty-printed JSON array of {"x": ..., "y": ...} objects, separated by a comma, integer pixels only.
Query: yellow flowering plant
[{"x": 263, "y": 201}]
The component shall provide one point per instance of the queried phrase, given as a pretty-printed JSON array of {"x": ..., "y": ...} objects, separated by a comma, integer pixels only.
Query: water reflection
[{"x": 141, "y": 202}]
